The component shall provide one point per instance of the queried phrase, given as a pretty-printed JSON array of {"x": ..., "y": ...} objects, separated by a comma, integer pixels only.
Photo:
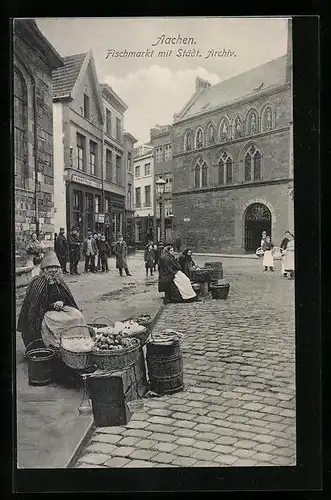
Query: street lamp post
[{"x": 160, "y": 186}]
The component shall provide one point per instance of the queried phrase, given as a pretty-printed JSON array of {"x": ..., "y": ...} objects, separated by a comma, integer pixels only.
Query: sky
[{"x": 154, "y": 86}]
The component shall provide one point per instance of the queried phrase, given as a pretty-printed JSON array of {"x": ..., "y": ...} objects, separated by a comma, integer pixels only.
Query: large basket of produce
[
  {"x": 215, "y": 270},
  {"x": 114, "y": 351},
  {"x": 76, "y": 347},
  {"x": 94, "y": 326}
]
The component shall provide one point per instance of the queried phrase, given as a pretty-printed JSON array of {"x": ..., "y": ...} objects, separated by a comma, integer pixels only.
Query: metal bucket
[{"x": 39, "y": 366}]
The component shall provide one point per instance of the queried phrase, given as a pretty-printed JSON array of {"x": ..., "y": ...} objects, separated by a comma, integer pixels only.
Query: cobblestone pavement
[{"x": 238, "y": 406}]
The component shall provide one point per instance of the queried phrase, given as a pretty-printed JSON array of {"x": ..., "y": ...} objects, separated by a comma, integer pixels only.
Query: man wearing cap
[
  {"x": 74, "y": 251},
  {"x": 49, "y": 307},
  {"x": 61, "y": 250}
]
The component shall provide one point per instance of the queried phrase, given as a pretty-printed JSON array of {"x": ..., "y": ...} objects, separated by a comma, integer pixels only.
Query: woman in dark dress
[
  {"x": 172, "y": 281},
  {"x": 186, "y": 262},
  {"x": 49, "y": 307}
]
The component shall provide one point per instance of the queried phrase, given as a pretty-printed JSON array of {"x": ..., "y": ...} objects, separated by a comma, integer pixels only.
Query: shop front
[{"x": 85, "y": 211}]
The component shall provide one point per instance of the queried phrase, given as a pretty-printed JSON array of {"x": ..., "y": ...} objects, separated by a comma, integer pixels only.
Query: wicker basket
[
  {"x": 200, "y": 275},
  {"x": 110, "y": 360},
  {"x": 94, "y": 325},
  {"x": 75, "y": 360}
]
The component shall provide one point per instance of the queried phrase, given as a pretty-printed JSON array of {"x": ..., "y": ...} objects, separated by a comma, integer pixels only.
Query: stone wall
[{"x": 31, "y": 66}]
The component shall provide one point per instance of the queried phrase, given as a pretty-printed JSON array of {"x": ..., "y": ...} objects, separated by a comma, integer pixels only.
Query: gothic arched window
[
  {"x": 253, "y": 164},
  {"x": 267, "y": 119},
  {"x": 224, "y": 129},
  {"x": 20, "y": 128},
  {"x": 199, "y": 138},
  {"x": 188, "y": 143},
  {"x": 200, "y": 173},
  {"x": 225, "y": 169}
]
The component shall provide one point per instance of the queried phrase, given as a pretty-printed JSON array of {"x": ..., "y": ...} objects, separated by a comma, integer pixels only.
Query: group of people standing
[
  {"x": 94, "y": 249},
  {"x": 287, "y": 254}
]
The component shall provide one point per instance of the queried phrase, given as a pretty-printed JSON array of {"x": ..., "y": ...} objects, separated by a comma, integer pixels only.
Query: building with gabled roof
[{"x": 232, "y": 160}]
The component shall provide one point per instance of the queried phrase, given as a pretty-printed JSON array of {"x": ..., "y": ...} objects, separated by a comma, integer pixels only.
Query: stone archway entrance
[{"x": 257, "y": 219}]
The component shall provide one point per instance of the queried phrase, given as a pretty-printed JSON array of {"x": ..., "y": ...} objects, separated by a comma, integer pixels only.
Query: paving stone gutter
[{"x": 91, "y": 427}]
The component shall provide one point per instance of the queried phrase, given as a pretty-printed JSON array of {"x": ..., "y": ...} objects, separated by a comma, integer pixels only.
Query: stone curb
[
  {"x": 91, "y": 428},
  {"x": 81, "y": 445},
  {"x": 224, "y": 255}
]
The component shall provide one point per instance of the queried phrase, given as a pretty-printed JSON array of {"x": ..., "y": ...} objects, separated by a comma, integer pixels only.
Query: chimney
[
  {"x": 289, "y": 52},
  {"x": 201, "y": 84}
]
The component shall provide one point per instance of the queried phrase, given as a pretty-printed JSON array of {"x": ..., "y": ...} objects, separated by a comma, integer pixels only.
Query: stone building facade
[
  {"x": 232, "y": 161},
  {"x": 129, "y": 231},
  {"x": 78, "y": 144},
  {"x": 34, "y": 58},
  {"x": 144, "y": 193},
  {"x": 161, "y": 140}
]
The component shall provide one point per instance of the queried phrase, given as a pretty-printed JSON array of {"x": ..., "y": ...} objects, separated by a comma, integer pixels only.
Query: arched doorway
[{"x": 257, "y": 219}]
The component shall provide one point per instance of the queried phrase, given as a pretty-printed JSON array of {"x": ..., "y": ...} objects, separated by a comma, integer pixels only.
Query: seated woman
[
  {"x": 49, "y": 307},
  {"x": 172, "y": 281},
  {"x": 186, "y": 262}
]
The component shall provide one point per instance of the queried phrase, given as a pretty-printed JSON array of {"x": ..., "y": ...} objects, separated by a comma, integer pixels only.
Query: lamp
[{"x": 160, "y": 186}]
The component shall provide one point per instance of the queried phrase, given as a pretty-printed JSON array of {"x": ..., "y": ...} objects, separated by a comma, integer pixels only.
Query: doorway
[{"x": 257, "y": 219}]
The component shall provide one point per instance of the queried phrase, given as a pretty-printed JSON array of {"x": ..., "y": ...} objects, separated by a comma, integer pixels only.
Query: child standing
[
  {"x": 104, "y": 252},
  {"x": 268, "y": 259},
  {"x": 149, "y": 259}
]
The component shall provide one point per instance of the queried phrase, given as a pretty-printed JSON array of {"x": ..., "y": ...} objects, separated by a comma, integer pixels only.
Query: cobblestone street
[{"x": 238, "y": 406}]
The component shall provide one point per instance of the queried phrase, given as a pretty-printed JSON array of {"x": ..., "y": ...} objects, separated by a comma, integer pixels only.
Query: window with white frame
[
  {"x": 108, "y": 122},
  {"x": 129, "y": 161},
  {"x": 159, "y": 154},
  {"x": 253, "y": 164},
  {"x": 199, "y": 138},
  {"x": 225, "y": 169},
  {"x": 137, "y": 171},
  {"x": 118, "y": 169},
  {"x": 138, "y": 197},
  {"x": 147, "y": 196},
  {"x": 168, "y": 152},
  {"x": 109, "y": 166},
  {"x": 147, "y": 169},
  {"x": 188, "y": 142},
  {"x": 168, "y": 184},
  {"x": 167, "y": 207},
  {"x": 80, "y": 152},
  {"x": 93, "y": 158}
]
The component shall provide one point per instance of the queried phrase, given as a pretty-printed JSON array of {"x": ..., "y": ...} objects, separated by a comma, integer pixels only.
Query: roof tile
[{"x": 64, "y": 78}]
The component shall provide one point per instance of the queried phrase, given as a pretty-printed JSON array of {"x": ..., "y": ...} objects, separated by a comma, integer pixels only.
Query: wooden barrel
[
  {"x": 165, "y": 367},
  {"x": 216, "y": 272}
]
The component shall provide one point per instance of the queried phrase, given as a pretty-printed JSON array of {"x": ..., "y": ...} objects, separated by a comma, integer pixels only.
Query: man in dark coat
[
  {"x": 45, "y": 293},
  {"x": 74, "y": 251},
  {"x": 62, "y": 250},
  {"x": 121, "y": 252}
]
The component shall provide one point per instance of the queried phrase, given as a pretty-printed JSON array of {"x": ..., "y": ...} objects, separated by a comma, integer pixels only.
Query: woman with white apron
[
  {"x": 268, "y": 259},
  {"x": 283, "y": 248}
]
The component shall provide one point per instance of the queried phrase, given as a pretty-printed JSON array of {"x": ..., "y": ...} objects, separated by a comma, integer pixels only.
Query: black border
[{"x": 307, "y": 474}]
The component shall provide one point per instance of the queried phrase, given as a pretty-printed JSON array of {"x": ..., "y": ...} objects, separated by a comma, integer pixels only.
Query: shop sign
[
  {"x": 101, "y": 218},
  {"x": 187, "y": 219},
  {"x": 86, "y": 182}
]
